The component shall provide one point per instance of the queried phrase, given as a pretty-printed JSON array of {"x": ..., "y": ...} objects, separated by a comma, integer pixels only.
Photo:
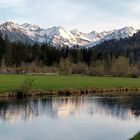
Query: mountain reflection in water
[{"x": 123, "y": 108}]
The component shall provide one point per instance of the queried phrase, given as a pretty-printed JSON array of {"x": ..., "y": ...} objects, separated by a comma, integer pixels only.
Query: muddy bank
[{"x": 72, "y": 92}]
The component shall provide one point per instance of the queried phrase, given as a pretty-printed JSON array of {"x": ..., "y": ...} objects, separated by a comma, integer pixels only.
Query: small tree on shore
[{"x": 27, "y": 84}]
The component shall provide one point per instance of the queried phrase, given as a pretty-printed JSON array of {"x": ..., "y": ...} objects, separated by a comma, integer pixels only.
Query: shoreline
[
  {"x": 136, "y": 137},
  {"x": 72, "y": 92}
]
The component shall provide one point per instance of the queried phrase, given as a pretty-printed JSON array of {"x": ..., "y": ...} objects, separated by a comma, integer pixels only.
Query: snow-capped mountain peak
[
  {"x": 30, "y": 27},
  {"x": 9, "y": 23},
  {"x": 60, "y": 36},
  {"x": 120, "y": 34},
  {"x": 82, "y": 38},
  {"x": 128, "y": 30},
  {"x": 125, "y": 32},
  {"x": 64, "y": 33}
]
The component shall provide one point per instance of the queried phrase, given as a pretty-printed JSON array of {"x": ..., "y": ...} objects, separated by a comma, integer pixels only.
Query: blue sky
[{"x": 85, "y": 15}]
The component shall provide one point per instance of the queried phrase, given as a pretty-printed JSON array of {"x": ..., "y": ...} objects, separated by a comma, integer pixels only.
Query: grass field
[
  {"x": 136, "y": 137},
  {"x": 12, "y": 82}
]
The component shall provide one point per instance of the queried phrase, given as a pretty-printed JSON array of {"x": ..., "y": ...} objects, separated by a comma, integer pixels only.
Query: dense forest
[{"x": 118, "y": 58}]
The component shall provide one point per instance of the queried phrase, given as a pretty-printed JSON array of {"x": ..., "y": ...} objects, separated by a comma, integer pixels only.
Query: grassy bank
[
  {"x": 12, "y": 82},
  {"x": 136, "y": 137}
]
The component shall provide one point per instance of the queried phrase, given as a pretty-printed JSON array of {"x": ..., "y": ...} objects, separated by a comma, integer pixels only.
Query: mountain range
[{"x": 60, "y": 36}]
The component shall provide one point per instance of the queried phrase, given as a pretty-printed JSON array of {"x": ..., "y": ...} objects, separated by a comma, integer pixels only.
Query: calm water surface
[{"x": 70, "y": 118}]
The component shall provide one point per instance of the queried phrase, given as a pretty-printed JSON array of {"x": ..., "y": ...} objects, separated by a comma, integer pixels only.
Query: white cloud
[
  {"x": 85, "y": 15},
  {"x": 12, "y": 3}
]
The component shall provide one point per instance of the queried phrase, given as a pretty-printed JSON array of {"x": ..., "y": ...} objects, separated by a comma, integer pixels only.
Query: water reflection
[{"x": 123, "y": 108}]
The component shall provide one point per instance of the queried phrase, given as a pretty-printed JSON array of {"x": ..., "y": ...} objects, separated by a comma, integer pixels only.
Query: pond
[{"x": 70, "y": 118}]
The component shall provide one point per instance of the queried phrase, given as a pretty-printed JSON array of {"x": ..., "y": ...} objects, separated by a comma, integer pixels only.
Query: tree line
[{"x": 118, "y": 58}]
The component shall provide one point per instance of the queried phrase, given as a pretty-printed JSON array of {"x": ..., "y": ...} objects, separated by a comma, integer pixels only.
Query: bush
[
  {"x": 80, "y": 69},
  {"x": 120, "y": 67},
  {"x": 134, "y": 72}
]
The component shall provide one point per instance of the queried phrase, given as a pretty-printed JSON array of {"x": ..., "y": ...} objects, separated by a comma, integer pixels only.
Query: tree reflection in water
[{"x": 123, "y": 108}]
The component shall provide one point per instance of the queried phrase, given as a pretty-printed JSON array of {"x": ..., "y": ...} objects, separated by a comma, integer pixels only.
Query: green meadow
[
  {"x": 136, "y": 137},
  {"x": 42, "y": 82}
]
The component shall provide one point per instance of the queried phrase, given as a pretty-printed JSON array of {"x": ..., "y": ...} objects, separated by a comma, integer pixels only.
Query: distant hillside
[
  {"x": 128, "y": 47},
  {"x": 114, "y": 57}
]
